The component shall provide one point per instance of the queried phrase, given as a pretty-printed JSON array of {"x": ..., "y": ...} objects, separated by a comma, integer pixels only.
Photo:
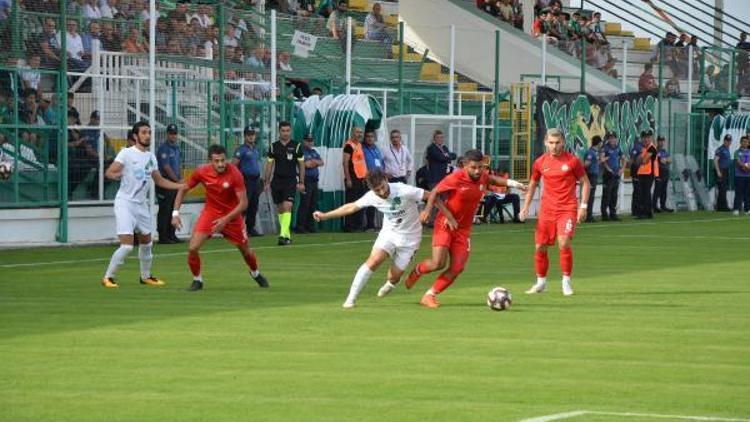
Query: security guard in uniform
[
  {"x": 168, "y": 159},
  {"x": 722, "y": 161},
  {"x": 591, "y": 163},
  {"x": 612, "y": 161},
  {"x": 247, "y": 159},
  {"x": 662, "y": 182},
  {"x": 635, "y": 151}
]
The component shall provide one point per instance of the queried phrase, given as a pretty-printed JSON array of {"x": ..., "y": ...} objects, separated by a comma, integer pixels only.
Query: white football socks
[
  {"x": 360, "y": 280},
  {"x": 118, "y": 258},
  {"x": 146, "y": 259}
]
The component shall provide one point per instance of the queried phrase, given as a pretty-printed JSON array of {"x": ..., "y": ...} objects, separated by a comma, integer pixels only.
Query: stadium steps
[{"x": 427, "y": 22}]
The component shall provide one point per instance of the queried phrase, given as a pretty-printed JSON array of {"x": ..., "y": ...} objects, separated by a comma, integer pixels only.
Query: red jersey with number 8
[{"x": 559, "y": 176}]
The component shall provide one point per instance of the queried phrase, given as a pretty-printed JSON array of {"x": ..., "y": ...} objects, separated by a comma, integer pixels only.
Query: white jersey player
[
  {"x": 401, "y": 233},
  {"x": 134, "y": 167}
]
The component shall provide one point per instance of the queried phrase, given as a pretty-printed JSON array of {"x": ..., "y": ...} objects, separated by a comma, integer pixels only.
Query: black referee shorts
[{"x": 283, "y": 190}]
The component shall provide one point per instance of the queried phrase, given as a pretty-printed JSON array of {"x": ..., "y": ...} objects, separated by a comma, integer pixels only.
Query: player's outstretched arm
[
  {"x": 176, "y": 222},
  {"x": 527, "y": 201},
  {"x": 501, "y": 181},
  {"x": 449, "y": 218},
  {"x": 585, "y": 186},
  {"x": 114, "y": 171},
  {"x": 164, "y": 183},
  {"x": 425, "y": 214},
  {"x": 342, "y": 211}
]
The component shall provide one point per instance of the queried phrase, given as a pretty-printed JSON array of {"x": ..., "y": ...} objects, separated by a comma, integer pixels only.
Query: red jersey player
[
  {"x": 560, "y": 171},
  {"x": 225, "y": 201},
  {"x": 461, "y": 192}
]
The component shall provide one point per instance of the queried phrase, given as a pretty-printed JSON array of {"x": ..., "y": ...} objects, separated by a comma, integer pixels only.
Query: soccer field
[{"x": 659, "y": 325}]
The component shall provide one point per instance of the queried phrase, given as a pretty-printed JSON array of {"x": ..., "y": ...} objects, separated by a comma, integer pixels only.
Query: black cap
[
  {"x": 648, "y": 133},
  {"x": 172, "y": 128},
  {"x": 249, "y": 130},
  {"x": 727, "y": 137},
  {"x": 610, "y": 135},
  {"x": 661, "y": 138},
  {"x": 308, "y": 137},
  {"x": 95, "y": 113}
]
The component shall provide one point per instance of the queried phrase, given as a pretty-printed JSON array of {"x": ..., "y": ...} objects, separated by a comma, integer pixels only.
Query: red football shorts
[
  {"x": 457, "y": 242},
  {"x": 234, "y": 231},
  {"x": 548, "y": 228}
]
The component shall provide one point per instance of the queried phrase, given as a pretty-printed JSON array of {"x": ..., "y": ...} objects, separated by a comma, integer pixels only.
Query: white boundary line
[
  {"x": 349, "y": 242},
  {"x": 568, "y": 415}
]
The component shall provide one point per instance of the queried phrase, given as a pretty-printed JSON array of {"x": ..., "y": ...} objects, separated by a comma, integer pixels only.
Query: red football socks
[
  {"x": 422, "y": 268},
  {"x": 442, "y": 283},
  {"x": 541, "y": 263},
  {"x": 566, "y": 261},
  {"x": 251, "y": 260},
  {"x": 194, "y": 261}
]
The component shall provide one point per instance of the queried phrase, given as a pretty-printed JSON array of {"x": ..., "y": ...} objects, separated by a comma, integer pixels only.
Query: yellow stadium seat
[
  {"x": 410, "y": 57},
  {"x": 468, "y": 86},
  {"x": 627, "y": 34},
  {"x": 642, "y": 43},
  {"x": 359, "y": 5},
  {"x": 430, "y": 70},
  {"x": 612, "y": 28},
  {"x": 117, "y": 144},
  {"x": 395, "y": 49},
  {"x": 359, "y": 31},
  {"x": 391, "y": 20},
  {"x": 504, "y": 110}
]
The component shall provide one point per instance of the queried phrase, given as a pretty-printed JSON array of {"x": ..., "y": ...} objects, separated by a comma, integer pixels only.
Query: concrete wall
[
  {"x": 87, "y": 224},
  {"x": 427, "y": 26}
]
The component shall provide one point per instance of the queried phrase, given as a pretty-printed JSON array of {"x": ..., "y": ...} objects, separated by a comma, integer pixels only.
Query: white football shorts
[
  {"x": 400, "y": 249},
  {"x": 131, "y": 217}
]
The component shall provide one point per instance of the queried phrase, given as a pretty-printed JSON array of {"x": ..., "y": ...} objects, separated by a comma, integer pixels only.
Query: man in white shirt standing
[
  {"x": 74, "y": 47},
  {"x": 399, "y": 163},
  {"x": 133, "y": 167},
  {"x": 400, "y": 236}
]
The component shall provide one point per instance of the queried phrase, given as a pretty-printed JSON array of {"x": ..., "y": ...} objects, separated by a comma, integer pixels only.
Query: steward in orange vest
[
  {"x": 355, "y": 171},
  {"x": 648, "y": 169}
]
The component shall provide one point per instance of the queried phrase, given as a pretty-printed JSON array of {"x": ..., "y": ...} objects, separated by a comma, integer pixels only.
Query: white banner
[
  {"x": 736, "y": 125},
  {"x": 303, "y": 43}
]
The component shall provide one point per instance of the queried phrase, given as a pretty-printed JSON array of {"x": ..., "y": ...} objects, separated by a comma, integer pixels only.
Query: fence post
[
  {"x": 690, "y": 87},
  {"x": 401, "y": 67},
  {"x": 62, "y": 158},
  {"x": 583, "y": 65},
  {"x": 625, "y": 66},
  {"x": 661, "y": 90},
  {"x": 348, "y": 55},
  {"x": 152, "y": 92},
  {"x": 451, "y": 69},
  {"x": 496, "y": 99},
  {"x": 274, "y": 86},
  {"x": 16, "y": 19},
  {"x": 544, "y": 60},
  {"x": 222, "y": 74}
]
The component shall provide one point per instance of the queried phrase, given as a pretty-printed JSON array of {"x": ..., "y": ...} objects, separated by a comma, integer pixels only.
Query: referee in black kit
[{"x": 284, "y": 176}]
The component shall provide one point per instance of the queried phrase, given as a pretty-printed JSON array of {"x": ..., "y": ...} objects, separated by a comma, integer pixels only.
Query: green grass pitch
[{"x": 660, "y": 324}]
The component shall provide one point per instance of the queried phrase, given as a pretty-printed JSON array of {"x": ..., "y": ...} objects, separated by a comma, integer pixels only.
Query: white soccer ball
[
  {"x": 6, "y": 169},
  {"x": 499, "y": 299}
]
